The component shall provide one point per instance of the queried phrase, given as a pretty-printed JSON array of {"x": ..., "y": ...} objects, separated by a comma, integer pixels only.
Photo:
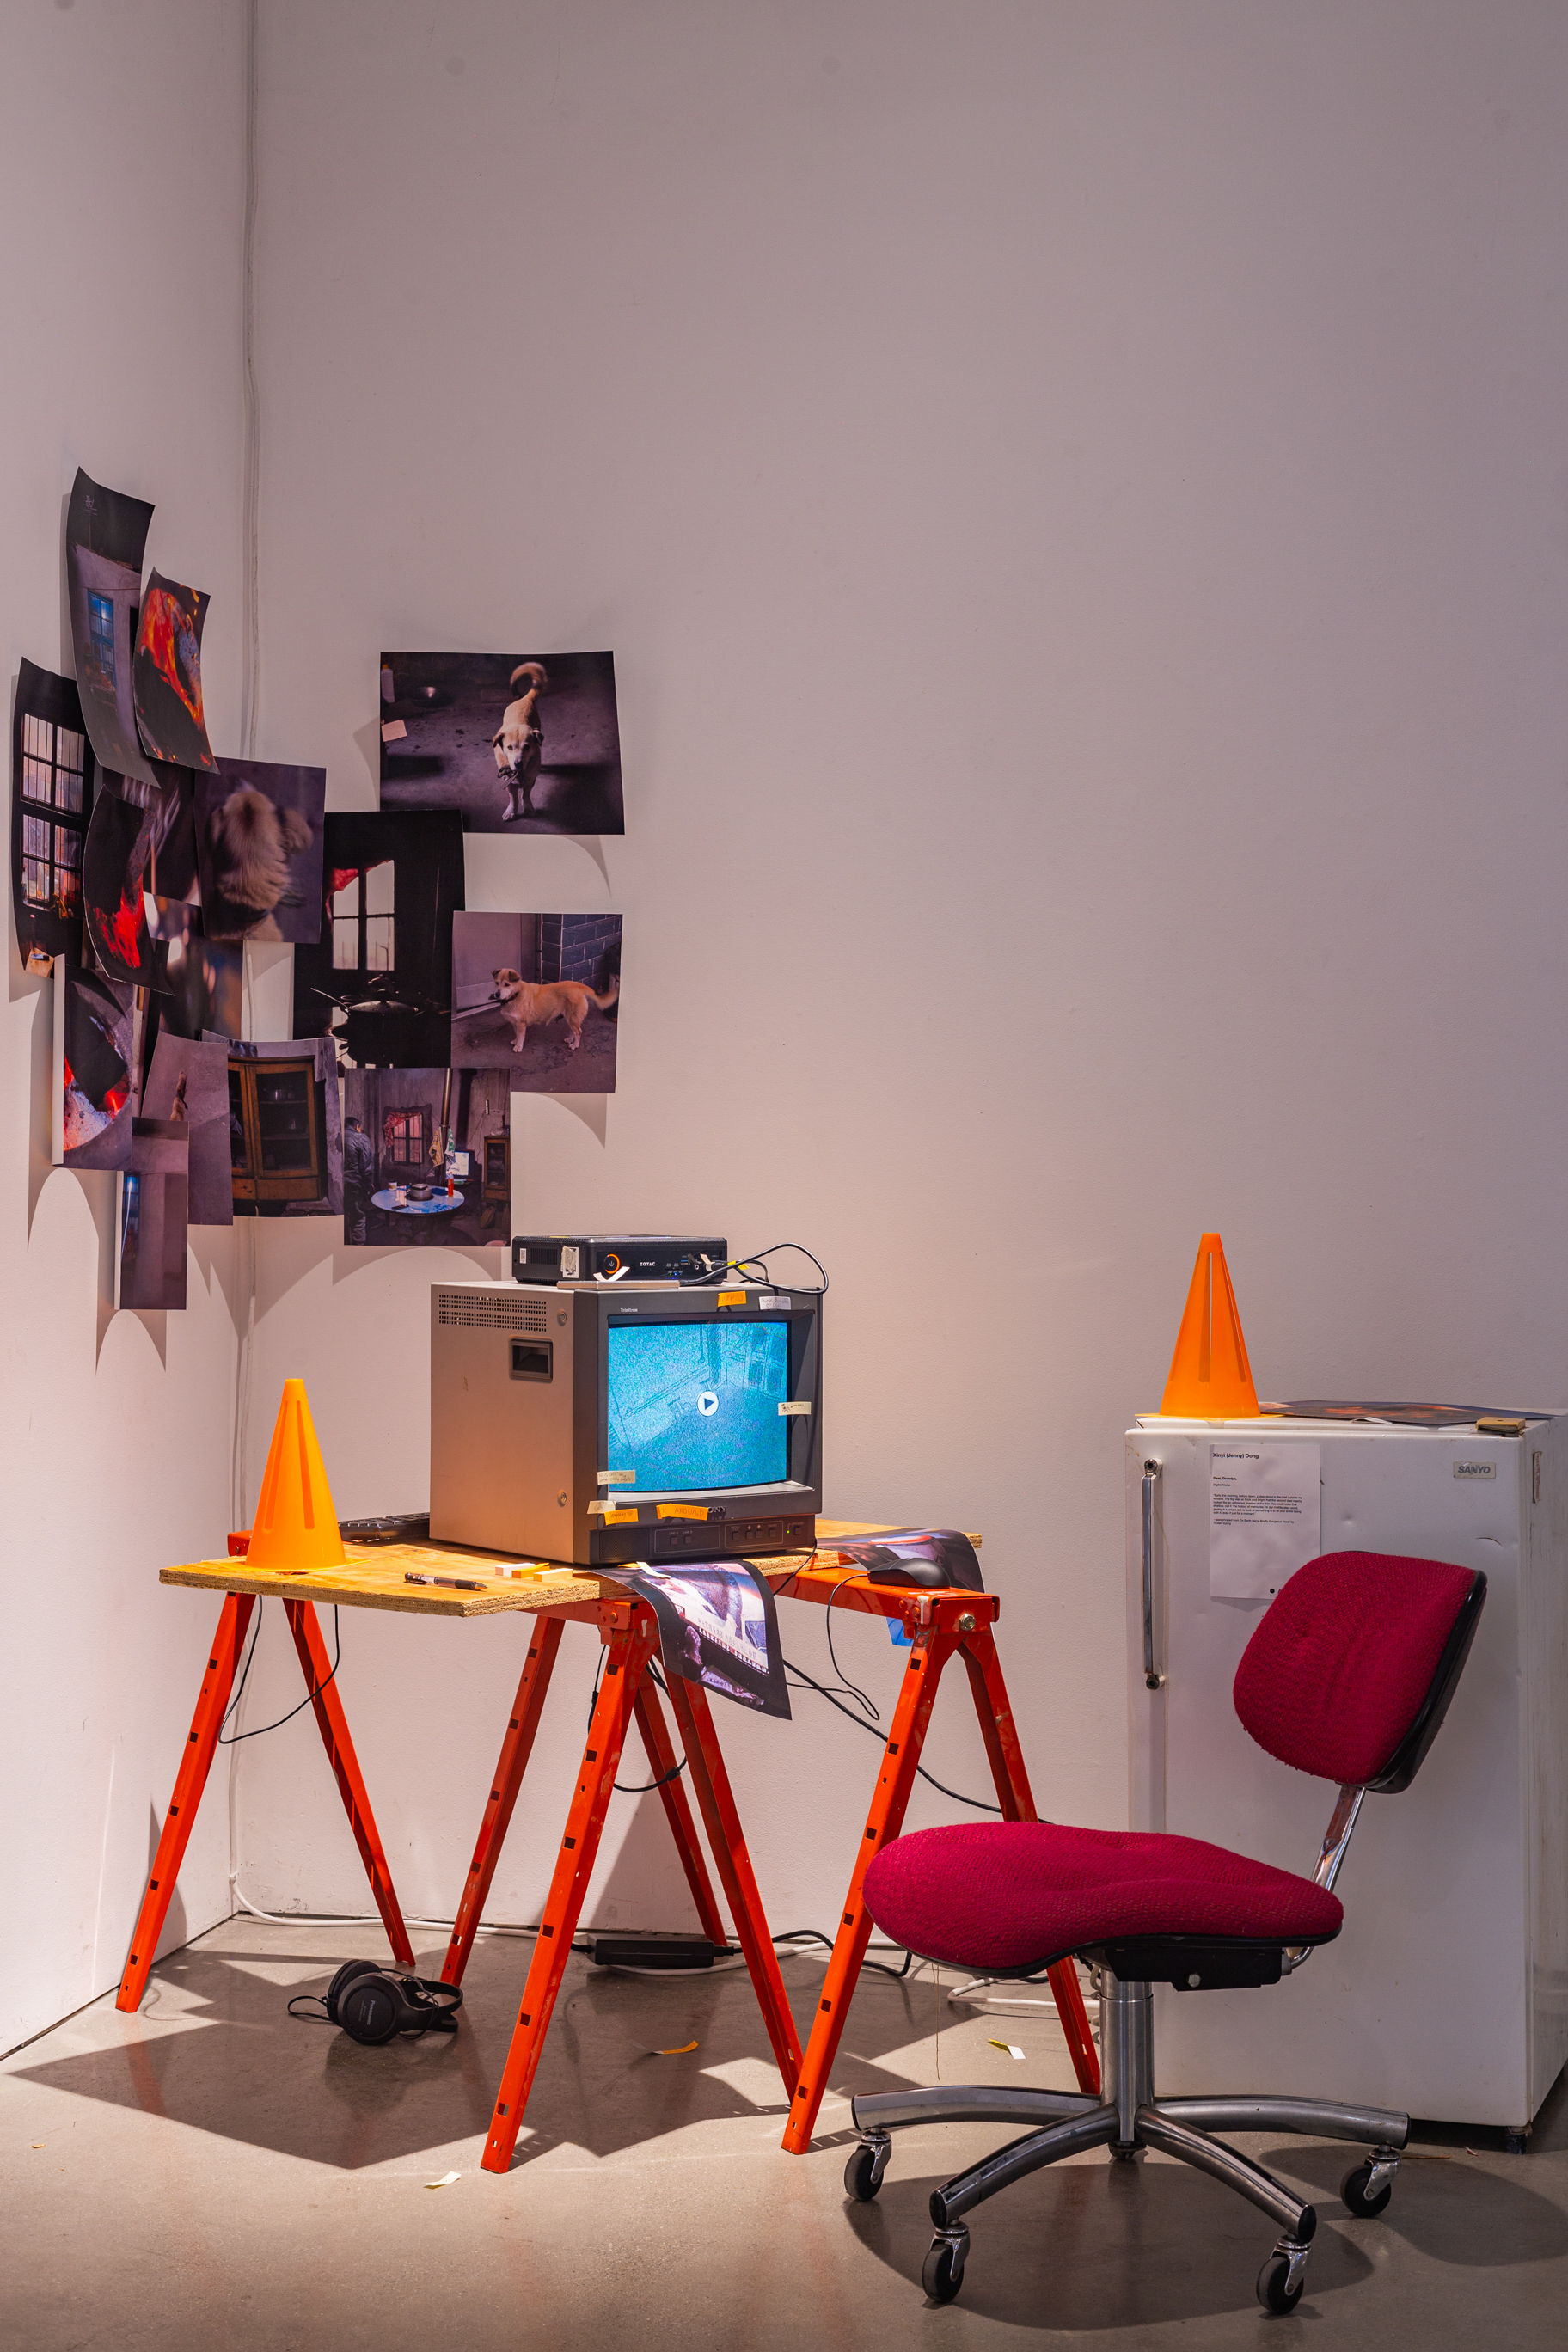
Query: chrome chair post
[{"x": 1127, "y": 2053}]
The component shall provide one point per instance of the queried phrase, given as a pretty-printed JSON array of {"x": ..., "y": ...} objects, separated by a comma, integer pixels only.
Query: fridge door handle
[{"x": 1153, "y": 1678}]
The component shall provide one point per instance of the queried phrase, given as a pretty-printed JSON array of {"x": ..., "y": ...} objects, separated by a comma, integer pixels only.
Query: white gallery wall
[
  {"x": 1079, "y": 496},
  {"x": 120, "y": 195}
]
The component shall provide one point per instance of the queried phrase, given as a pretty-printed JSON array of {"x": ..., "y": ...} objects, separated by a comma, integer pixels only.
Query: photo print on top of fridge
[
  {"x": 51, "y": 802},
  {"x": 379, "y": 980},
  {"x": 258, "y": 839},
  {"x": 538, "y": 996},
  {"x": 285, "y": 1128},
  {"x": 518, "y": 743},
  {"x": 426, "y": 1157}
]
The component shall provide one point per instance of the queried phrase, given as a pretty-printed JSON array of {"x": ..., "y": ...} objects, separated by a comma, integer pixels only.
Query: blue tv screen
[{"x": 697, "y": 1404}]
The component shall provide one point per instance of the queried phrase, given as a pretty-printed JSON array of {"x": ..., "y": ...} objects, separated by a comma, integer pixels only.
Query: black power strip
[{"x": 646, "y": 1949}]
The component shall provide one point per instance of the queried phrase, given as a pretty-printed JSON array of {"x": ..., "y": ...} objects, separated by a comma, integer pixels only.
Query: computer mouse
[
  {"x": 932, "y": 1560},
  {"x": 923, "y": 1572}
]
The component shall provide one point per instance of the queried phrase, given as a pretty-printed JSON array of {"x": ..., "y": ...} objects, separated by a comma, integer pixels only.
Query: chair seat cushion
[{"x": 1012, "y": 1894}]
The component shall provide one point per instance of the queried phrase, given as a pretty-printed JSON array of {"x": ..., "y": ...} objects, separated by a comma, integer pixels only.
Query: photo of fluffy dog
[
  {"x": 518, "y": 743},
  {"x": 258, "y": 839},
  {"x": 538, "y": 996}
]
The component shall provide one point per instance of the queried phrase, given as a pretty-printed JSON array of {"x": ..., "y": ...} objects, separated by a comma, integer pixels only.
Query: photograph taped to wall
[
  {"x": 285, "y": 1129},
  {"x": 518, "y": 743},
  {"x": 52, "y": 776},
  {"x": 166, "y": 673},
  {"x": 426, "y": 1157},
  {"x": 718, "y": 1625},
  {"x": 115, "y": 858},
  {"x": 169, "y": 804},
  {"x": 187, "y": 1085},
  {"x": 259, "y": 837},
  {"x": 106, "y": 534},
  {"x": 91, "y": 1096},
  {"x": 379, "y": 981},
  {"x": 153, "y": 1223},
  {"x": 205, "y": 978},
  {"x": 538, "y": 995}
]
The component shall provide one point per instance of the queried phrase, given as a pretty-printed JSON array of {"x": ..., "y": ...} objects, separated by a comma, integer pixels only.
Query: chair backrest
[{"x": 1350, "y": 1673}]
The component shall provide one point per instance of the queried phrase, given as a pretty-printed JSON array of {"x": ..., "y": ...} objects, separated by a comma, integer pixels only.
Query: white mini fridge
[{"x": 1446, "y": 1995}]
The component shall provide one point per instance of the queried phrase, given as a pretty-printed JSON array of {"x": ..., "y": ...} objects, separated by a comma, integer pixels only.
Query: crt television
[{"x": 608, "y": 1421}]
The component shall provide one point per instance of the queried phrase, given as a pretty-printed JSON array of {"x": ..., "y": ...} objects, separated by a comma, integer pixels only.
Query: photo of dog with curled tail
[
  {"x": 258, "y": 840},
  {"x": 540, "y": 997},
  {"x": 519, "y": 741},
  {"x": 523, "y": 742}
]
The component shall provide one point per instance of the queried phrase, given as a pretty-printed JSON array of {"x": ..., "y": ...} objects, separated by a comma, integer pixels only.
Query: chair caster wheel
[
  {"x": 1282, "y": 2280},
  {"x": 863, "y": 2173},
  {"x": 1360, "y": 2196},
  {"x": 942, "y": 2274}
]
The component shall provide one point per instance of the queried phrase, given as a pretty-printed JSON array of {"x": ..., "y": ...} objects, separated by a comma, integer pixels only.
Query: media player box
[{"x": 645, "y": 1257}]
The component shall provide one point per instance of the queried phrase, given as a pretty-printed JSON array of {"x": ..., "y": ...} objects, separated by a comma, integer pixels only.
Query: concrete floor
[{"x": 214, "y": 2175}]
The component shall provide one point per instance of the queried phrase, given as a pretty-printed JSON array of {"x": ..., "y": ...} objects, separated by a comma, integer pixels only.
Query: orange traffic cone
[
  {"x": 296, "y": 1525},
  {"x": 1211, "y": 1379}
]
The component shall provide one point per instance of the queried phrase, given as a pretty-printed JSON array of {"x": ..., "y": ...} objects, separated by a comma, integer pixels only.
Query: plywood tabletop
[{"x": 375, "y": 1577}]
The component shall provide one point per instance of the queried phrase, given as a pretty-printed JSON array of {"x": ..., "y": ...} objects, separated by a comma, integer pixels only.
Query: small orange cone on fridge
[
  {"x": 296, "y": 1525},
  {"x": 1211, "y": 1379}
]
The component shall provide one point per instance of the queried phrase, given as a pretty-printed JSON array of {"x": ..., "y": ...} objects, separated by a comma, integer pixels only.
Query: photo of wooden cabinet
[{"x": 277, "y": 1130}]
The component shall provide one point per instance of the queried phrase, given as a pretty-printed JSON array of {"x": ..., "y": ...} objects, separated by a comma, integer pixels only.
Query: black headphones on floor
[{"x": 372, "y": 2004}]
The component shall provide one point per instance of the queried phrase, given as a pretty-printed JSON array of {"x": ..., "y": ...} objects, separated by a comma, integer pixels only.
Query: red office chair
[{"x": 1348, "y": 1676}]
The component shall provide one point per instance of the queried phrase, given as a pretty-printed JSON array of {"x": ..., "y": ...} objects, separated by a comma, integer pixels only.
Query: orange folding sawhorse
[
  {"x": 941, "y": 1625},
  {"x": 629, "y": 1631},
  {"x": 375, "y": 1577},
  {"x": 212, "y": 1705}
]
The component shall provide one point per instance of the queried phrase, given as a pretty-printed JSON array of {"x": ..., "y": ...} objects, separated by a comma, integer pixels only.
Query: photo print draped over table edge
[
  {"x": 538, "y": 996},
  {"x": 52, "y": 777},
  {"x": 718, "y": 1625},
  {"x": 947, "y": 1548},
  {"x": 426, "y": 1157},
  {"x": 379, "y": 980},
  {"x": 518, "y": 743}
]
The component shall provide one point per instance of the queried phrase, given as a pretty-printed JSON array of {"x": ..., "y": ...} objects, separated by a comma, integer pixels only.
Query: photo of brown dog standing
[
  {"x": 538, "y": 996},
  {"x": 518, "y": 743}
]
